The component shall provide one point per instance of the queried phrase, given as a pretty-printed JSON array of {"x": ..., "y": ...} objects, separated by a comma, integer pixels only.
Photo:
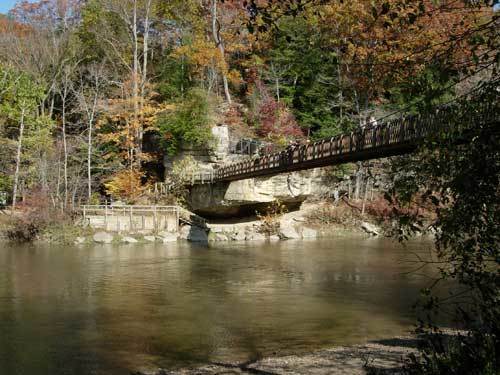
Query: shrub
[
  {"x": 24, "y": 229},
  {"x": 329, "y": 214},
  {"x": 270, "y": 218},
  {"x": 36, "y": 218}
]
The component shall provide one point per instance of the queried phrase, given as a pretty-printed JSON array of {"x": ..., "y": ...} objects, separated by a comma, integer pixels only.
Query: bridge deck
[{"x": 395, "y": 137}]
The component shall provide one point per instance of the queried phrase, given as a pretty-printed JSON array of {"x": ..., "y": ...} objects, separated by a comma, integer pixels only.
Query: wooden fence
[{"x": 139, "y": 218}]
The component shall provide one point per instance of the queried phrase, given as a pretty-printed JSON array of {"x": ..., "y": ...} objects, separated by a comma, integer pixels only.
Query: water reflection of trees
[{"x": 151, "y": 304}]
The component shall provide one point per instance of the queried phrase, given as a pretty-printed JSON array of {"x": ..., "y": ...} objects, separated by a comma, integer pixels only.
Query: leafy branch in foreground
[{"x": 458, "y": 172}]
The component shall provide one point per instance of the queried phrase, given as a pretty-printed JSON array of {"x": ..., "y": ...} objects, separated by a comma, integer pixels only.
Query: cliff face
[{"x": 244, "y": 197}]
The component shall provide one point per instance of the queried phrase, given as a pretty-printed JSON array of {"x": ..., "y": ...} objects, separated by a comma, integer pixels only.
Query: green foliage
[
  {"x": 188, "y": 123},
  {"x": 433, "y": 86},
  {"x": 5, "y": 182},
  {"x": 461, "y": 181},
  {"x": 309, "y": 78},
  {"x": 96, "y": 19},
  {"x": 20, "y": 98},
  {"x": 18, "y": 93},
  {"x": 174, "y": 77}
]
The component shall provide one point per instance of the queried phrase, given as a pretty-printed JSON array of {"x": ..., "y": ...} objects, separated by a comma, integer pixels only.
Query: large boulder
[
  {"x": 129, "y": 240},
  {"x": 150, "y": 238},
  {"x": 103, "y": 237},
  {"x": 370, "y": 228},
  {"x": 193, "y": 234},
  {"x": 167, "y": 237},
  {"x": 288, "y": 232}
]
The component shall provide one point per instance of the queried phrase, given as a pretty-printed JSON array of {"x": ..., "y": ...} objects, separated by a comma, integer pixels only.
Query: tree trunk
[
  {"x": 220, "y": 45},
  {"x": 278, "y": 89},
  {"x": 135, "y": 84},
  {"x": 359, "y": 180},
  {"x": 18, "y": 160},
  {"x": 65, "y": 145},
  {"x": 365, "y": 196},
  {"x": 89, "y": 160},
  {"x": 145, "y": 51},
  {"x": 89, "y": 143},
  {"x": 145, "y": 48}
]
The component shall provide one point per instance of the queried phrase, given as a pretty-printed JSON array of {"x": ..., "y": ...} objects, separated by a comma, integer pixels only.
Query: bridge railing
[{"x": 400, "y": 132}]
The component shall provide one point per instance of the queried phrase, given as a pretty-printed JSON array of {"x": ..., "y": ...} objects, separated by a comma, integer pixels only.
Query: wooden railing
[
  {"x": 139, "y": 217},
  {"x": 393, "y": 137}
]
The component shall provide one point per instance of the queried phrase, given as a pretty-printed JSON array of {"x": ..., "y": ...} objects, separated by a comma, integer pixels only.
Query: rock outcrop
[
  {"x": 244, "y": 197},
  {"x": 167, "y": 237},
  {"x": 371, "y": 229},
  {"x": 289, "y": 233},
  {"x": 103, "y": 237},
  {"x": 129, "y": 240},
  {"x": 193, "y": 234}
]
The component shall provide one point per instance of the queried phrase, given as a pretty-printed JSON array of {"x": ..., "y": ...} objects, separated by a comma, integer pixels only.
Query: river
[{"x": 113, "y": 309}]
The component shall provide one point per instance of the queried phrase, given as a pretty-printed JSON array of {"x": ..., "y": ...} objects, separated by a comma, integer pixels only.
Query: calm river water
[{"x": 114, "y": 309}]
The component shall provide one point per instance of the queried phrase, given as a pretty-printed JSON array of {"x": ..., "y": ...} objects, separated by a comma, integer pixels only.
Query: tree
[
  {"x": 189, "y": 123},
  {"x": 461, "y": 181},
  {"x": 90, "y": 91},
  {"x": 18, "y": 106}
]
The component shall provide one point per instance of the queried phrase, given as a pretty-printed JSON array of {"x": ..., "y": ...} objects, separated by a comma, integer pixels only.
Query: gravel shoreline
[{"x": 377, "y": 357}]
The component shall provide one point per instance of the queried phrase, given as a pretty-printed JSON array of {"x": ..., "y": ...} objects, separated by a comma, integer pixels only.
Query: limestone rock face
[
  {"x": 238, "y": 236},
  {"x": 289, "y": 233},
  {"x": 103, "y": 237},
  {"x": 221, "y": 137},
  {"x": 247, "y": 196}
]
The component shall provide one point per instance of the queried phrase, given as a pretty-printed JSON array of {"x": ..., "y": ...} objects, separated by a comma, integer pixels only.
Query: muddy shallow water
[{"x": 114, "y": 309}]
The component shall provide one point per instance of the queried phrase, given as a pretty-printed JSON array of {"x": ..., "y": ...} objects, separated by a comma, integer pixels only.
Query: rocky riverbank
[
  {"x": 311, "y": 221},
  {"x": 378, "y": 357}
]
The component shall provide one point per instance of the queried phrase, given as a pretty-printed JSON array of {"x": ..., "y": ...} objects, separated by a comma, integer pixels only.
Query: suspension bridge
[{"x": 394, "y": 137}]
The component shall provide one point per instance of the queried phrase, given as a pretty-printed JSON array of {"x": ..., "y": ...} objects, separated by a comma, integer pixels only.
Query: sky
[{"x": 6, "y": 5}]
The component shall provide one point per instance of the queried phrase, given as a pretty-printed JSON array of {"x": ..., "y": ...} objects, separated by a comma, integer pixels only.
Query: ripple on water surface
[{"x": 111, "y": 309}]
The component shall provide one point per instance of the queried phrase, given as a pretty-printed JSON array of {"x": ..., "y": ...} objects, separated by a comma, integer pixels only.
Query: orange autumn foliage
[{"x": 127, "y": 185}]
